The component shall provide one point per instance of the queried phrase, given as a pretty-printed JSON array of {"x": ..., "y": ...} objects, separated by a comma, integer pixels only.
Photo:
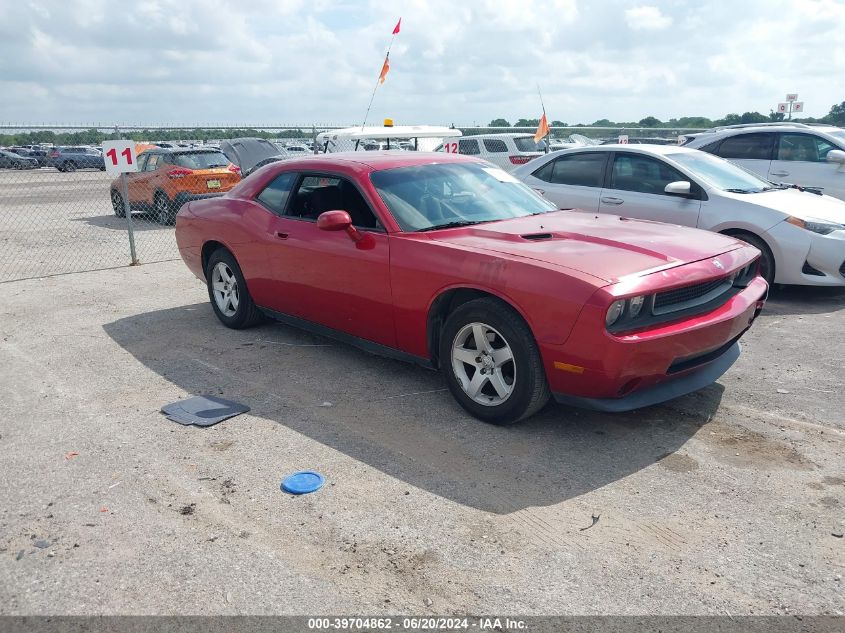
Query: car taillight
[
  {"x": 54, "y": 153},
  {"x": 179, "y": 172},
  {"x": 234, "y": 169},
  {"x": 519, "y": 160}
]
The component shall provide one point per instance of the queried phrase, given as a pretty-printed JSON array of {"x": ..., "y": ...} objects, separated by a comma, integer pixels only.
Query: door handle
[
  {"x": 609, "y": 200},
  {"x": 282, "y": 236},
  {"x": 780, "y": 173}
]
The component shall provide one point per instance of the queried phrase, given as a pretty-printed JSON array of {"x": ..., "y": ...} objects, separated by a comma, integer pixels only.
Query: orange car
[{"x": 168, "y": 178}]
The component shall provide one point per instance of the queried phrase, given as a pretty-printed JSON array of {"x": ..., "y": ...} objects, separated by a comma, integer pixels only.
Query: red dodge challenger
[{"x": 448, "y": 261}]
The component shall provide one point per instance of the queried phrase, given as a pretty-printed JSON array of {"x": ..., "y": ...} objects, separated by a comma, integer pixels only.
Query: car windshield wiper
[
  {"x": 449, "y": 225},
  {"x": 743, "y": 190}
]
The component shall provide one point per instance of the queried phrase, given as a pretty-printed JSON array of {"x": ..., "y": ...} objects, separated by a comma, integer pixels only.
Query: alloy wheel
[
  {"x": 225, "y": 287},
  {"x": 483, "y": 363}
]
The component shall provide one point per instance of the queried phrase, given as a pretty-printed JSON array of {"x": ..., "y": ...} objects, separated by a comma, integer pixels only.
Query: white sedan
[{"x": 801, "y": 234}]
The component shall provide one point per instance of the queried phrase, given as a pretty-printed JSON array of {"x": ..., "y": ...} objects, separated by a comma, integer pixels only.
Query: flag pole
[
  {"x": 543, "y": 106},
  {"x": 379, "y": 80}
]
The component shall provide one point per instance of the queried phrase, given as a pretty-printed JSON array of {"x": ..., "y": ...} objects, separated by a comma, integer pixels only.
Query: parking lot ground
[{"x": 727, "y": 501}]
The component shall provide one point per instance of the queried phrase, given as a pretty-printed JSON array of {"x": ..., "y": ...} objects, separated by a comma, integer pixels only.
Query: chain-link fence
[{"x": 60, "y": 212}]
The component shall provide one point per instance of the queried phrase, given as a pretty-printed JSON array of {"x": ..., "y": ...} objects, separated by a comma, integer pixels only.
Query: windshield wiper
[
  {"x": 449, "y": 225},
  {"x": 743, "y": 190}
]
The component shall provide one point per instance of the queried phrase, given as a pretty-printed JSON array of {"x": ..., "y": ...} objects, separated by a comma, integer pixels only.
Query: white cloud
[
  {"x": 297, "y": 62},
  {"x": 647, "y": 18}
]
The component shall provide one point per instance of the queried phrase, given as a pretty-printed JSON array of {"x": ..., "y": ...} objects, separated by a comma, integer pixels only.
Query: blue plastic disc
[{"x": 303, "y": 482}]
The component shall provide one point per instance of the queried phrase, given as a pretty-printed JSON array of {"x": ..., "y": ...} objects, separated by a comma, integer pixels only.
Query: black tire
[
  {"x": 529, "y": 389},
  {"x": 69, "y": 166},
  {"x": 767, "y": 260},
  {"x": 163, "y": 209},
  {"x": 18, "y": 165},
  {"x": 247, "y": 313},
  {"x": 117, "y": 204}
]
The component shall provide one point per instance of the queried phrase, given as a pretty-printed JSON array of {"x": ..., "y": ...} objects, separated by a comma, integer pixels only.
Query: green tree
[
  {"x": 603, "y": 123},
  {"x": 730, "y": 119},
  {"x": 753, "y": 117},
  {"x": 557, "y": 123},
  {"x": 649, "y": 121},
  {"x": 527, "y": 123},
  {"x": 499, "y": 123},
  {"x": 836, "y": 116},
  {"x": 776, "y": 116}
]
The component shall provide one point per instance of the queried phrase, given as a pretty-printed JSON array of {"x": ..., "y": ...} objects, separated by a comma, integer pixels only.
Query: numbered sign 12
[{"x": 119, "y": 157}]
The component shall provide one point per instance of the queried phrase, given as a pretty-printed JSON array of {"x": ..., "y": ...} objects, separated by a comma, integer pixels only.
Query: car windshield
[
  {"x": 200, "y": 160},
  {"x": 425, "y": 197},
  {"x": 527, "y": 144},
  {"x": 720, "y": 173},
  {"x": 839, "y": 135}
]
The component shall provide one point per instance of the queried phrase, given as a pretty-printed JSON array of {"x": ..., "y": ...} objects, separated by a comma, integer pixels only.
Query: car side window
[
  {"x": 142, "y": 161},
  {"x": 495, "y": 145},
  {"x": 803, "y": 147},
  {"x": 275, "y": 195},
  {"x": 468, "y": 146},
  {"x": 582, "y": 170},
  {"x": 642, "y": 174},
  {"x": 317, "y": 194},
  {"x": 747, "y": 146},
  {"x": 152, "y": 162}
]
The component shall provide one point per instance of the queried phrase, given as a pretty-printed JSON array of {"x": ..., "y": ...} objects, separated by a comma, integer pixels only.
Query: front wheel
[
  {"x": 491, "y": 363},
  {"x": 70, "y": 166},
  {"x": 228, "y": 293},
  {"x": 767, "y": 260},
  {"x": 117, "y": 204}
]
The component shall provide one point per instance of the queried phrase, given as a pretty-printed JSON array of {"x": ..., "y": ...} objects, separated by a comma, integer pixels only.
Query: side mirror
[
  {"x": 334, "y": 221},
  {"x": 836, "y": 156},
  {"x": 678, "y": 188}
]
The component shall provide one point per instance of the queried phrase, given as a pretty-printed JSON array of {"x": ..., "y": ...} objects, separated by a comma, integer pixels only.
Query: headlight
[
  {"x": 635, "y": 305},
  {"x": 614, "y": 312},
  {"x": 815, "y": 225}
]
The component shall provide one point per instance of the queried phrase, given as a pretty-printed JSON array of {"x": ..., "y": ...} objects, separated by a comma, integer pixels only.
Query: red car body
[{"x": 388, "y": 290}]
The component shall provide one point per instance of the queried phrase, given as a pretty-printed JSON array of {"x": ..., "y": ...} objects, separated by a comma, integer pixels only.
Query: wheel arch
[
  {"x": 208, "y": 249},
  {"x": 447, "y": 301}
]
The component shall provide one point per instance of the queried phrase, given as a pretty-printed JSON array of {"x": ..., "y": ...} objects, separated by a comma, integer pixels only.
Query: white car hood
[{"x": 799, "y": 204}]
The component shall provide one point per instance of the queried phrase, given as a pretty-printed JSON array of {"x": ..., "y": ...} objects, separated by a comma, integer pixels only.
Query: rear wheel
[
  {"x": 767, "y": 260},
  {"x": 491, "y": 363},
  {"x": 18, "y": 165},
  {"x": 163, "y": 209},
  {"x": 228, "y": 293},
  {"x": 117, "y": 204},
  {"x": 70, "y": 166}
]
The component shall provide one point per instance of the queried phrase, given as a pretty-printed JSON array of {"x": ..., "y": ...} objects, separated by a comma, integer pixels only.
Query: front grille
[
  {"x": 808, "y": 269},
  {"x": 680, "y": 298}
]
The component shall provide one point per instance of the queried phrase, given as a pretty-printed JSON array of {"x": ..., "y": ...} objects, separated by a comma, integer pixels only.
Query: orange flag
[
  {"x": 384, "y": 69},
  {"x": 542, "y": 129}
]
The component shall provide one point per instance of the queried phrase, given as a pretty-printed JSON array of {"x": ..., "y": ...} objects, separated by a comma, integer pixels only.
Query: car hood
[
  {"x": 608, "y": 247},
  {"x": 800, "y": 204},
  {"x": 246, "y": 153}
]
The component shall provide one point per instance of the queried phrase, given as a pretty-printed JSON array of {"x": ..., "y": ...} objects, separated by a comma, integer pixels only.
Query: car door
[
  {"x": 635, "y": 189},
  {"x": 140, "y": 184},
  {"x": 801, "y": 159},
  {"x": 573, "y": 181},
  {"x": 752, "y": 151},
  {"x": 326, "y": 277}
]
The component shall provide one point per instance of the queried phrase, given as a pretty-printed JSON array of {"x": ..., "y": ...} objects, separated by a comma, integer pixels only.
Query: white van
[
  {"x": 503, "y": 150},
  {"x": 422, "y": 138}
]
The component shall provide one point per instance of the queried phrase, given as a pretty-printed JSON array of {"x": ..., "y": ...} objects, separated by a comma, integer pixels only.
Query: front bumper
[
  {"x": 794, "y": 248},
  {"x": 599, "y": 370}
]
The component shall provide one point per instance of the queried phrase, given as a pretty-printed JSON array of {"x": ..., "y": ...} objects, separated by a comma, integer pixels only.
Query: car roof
[
  {"x": 642, "y": 148},
  {"x": 378, "y": 160}
]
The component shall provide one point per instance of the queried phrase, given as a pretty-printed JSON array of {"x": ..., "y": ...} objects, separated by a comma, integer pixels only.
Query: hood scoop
[{"x": 536, "y": 237}]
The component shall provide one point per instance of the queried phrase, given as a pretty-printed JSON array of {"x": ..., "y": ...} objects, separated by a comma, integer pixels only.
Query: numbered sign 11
[{"x": 119, "y": 157}]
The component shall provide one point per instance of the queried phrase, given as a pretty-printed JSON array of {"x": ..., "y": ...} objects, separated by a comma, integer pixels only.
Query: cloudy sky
[{"x": 244, "y": 62}]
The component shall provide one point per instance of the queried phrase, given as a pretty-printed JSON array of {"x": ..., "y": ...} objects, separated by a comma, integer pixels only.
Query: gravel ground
[{"x": 728, "y": 501}]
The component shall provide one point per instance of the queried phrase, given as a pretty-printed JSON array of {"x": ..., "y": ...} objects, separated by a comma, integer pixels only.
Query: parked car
[
  {"x": 801, "y": 235},
  {"x": 250, "y": 154},
  {"x": 73, "y": 158},
  {"x": 795, "y": 153},
  {"x": 452, "y": 263},
  {"x": 503, "y": 150},
  {"x": 11, "y": 160},
  {"x": 167, "y": 178},
  {"x": 39, "y": 155}
]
